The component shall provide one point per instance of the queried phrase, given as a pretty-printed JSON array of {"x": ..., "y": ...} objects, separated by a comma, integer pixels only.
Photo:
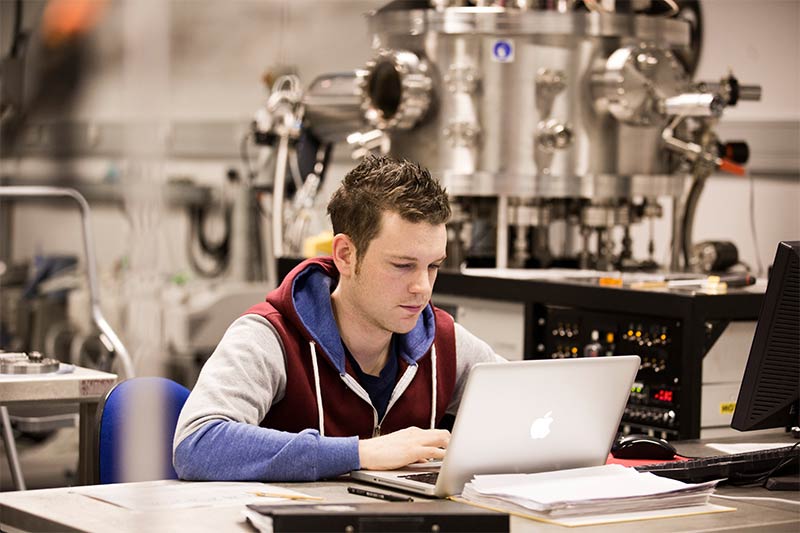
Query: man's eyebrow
[{"x": 414, "y": 259}]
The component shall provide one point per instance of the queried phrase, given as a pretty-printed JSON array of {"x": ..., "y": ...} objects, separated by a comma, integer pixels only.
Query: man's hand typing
[{"x": 403, "y": 447}]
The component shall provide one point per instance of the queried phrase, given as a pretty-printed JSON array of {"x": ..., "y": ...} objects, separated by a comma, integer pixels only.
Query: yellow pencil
[{"x": 286, "y": 496}]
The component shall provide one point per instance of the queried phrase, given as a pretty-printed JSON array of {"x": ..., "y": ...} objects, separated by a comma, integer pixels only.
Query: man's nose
[{"x": 422, "y": 283}]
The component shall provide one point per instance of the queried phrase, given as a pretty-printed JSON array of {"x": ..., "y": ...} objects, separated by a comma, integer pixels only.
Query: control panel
[{"x": 654, "y": 404}]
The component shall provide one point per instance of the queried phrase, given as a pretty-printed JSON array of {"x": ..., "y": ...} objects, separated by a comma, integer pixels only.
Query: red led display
[{"x": 663, "y": 395}]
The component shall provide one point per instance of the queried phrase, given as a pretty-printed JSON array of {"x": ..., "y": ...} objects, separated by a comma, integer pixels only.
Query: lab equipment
[{"x": 551, "y": 124}]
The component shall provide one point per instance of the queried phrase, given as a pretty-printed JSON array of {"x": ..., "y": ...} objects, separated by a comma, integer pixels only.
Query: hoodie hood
[{"x": 304, "y": 297}]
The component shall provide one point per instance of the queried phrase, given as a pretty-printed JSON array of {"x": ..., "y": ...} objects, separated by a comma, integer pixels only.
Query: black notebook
[{"x": 440, "y": 516}]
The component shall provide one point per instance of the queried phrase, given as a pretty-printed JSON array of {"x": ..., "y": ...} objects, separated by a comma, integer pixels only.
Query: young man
[{"x": 347, "y": 359}]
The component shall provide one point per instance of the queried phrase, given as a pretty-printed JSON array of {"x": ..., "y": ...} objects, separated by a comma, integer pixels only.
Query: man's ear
[{"x": 344, "y": 254}]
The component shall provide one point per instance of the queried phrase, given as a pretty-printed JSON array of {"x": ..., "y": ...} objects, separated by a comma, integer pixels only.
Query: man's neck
[{"x": 367, "y": 343}]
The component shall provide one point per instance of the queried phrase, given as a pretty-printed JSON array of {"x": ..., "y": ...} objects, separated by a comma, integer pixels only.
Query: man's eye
[
  {"x": 435, "y": 267},
  {"x": 402, "y": 265}
]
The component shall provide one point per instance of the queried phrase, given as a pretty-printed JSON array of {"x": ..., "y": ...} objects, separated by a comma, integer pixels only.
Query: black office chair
[{"x": 112, "y": 419}]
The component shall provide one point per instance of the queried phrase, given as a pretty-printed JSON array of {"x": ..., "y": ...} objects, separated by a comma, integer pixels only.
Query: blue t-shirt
[{"x": 378, "y": 387}]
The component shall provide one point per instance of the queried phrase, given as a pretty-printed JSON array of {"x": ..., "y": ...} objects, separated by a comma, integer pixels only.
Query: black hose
[
  {"x": 690, "y": 209},
  {"x": 219, "y": 252},
  {"x": 17, "y": 36}
]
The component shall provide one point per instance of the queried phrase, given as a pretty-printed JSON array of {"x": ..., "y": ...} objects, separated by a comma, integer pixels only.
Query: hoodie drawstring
[
  {"x": 315, "y": 364},
  {"x": 433, "y": 385},
  {"x": 317, "y": 387}
]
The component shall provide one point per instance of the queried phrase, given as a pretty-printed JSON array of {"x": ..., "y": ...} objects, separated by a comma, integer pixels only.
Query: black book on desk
[{"x": 441, "y": 516}]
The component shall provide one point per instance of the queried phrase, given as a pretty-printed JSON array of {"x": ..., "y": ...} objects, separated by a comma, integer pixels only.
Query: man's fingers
[
  {"x": 436, "y": 437},
  {"x": 429, "y": 452}
]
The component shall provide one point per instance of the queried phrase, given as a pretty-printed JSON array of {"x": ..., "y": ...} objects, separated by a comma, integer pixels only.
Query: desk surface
[
  {"x": 81, "y": 385},
  {"x": 64, "y": 510}
]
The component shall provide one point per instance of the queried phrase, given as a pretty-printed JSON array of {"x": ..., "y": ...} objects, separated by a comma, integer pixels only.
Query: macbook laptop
[{"x": 524, "y": 417}]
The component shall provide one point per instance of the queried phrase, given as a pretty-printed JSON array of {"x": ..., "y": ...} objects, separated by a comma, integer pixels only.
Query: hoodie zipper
[{"x": 398, "y": 391}]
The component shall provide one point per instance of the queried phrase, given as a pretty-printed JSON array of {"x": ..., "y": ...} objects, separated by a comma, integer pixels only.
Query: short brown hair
[{"x": 379, "y": 184}]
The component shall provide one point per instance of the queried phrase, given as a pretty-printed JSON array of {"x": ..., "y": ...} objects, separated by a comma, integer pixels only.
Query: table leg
[
  {"x": 11, "y": 449},
  {"x": 88, "y": 473}
]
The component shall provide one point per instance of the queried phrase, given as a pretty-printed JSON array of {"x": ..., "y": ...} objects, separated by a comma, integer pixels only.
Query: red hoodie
[{"x": 308, "y": 326}]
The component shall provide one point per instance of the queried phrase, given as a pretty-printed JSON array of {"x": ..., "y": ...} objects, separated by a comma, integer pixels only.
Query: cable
[
  {"x": 753, "y": 233},
  {"x": 756, "y": 498},
  {"x": 760, "y": 478},
  {"x": 245, "y": 155},
  {"x": 673, "y": 8},
  {"x": 690, "y": 208},
  {"x": 219, "y": 256},
  {"x": 593, "y": 5},
  {"x": 18, "y": 36},
  {"x": 294, "y": 169}
]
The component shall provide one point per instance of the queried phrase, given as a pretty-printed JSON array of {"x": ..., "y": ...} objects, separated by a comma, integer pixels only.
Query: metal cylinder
[
  {"x": 694, "y": 105},
  {"x": 750, "y": 92},
  {"x": 333, "y": 106},
  {"x": 516, "y": 111}
]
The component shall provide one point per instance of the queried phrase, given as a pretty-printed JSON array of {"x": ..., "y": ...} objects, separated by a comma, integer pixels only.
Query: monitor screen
[{"x": 768, "y": 397}]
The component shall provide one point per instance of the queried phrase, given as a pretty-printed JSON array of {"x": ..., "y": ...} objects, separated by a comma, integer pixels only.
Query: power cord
[
  {"x": 760, "y": 478},
  {"x": 756, "y": 498},
  {"x": 759, "y": 264}
]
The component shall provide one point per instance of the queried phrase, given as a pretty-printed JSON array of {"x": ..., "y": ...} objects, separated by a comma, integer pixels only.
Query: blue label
[{"x": 503, "y": 51}]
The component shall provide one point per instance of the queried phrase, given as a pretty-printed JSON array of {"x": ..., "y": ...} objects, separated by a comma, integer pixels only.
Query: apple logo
[{"x": 541, "y": 426}]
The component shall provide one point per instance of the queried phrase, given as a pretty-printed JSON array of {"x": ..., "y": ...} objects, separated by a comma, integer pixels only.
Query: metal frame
[{"x": 86, "y": 410}]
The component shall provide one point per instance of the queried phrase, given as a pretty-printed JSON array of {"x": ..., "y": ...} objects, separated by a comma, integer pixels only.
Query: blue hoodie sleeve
[
  {"x": 223, "y": 450},
  {"x": 218, "y": 436}
]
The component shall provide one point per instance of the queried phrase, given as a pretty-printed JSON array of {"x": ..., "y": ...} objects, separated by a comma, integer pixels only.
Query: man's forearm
[{"x": 235, "y": 451}]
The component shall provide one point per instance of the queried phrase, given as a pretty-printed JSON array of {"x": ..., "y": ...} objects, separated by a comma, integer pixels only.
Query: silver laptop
[{"x": 526, "y": 416}]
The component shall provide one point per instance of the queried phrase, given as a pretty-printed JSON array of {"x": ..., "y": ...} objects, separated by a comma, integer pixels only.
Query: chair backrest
[{"x": 112, "y": 419}]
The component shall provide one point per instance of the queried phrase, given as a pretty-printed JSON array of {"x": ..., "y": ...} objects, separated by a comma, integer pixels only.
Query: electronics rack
[
  {"x": 654, "y": 405},
  {"x": 666, "y": 400}
]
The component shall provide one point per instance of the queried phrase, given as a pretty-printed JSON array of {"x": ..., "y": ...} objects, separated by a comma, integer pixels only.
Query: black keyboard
[
  {"x": 424, "y": 477},
  {"x": 736, "y": 468}
]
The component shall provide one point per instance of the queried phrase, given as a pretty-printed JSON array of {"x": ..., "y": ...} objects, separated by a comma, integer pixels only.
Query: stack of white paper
[{"x": 584, "y": 491}]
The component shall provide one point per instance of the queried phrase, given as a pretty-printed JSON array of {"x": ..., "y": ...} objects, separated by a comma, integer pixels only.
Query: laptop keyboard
[{"x": 423, "y": 477}]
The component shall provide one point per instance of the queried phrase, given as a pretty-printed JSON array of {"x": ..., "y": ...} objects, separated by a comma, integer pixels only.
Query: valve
[{"x": 395, "y": 90}]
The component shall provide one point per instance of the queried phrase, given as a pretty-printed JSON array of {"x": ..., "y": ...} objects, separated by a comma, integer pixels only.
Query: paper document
[
  {"x": 595, "y": 490},
  {"x": 746, "y": 447},
  {"x": 164, "y": 495}
]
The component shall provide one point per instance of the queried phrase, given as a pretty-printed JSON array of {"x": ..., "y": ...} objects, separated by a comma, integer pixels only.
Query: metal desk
[
  {"x": 64, "y": 510},
  {"x": 83, "y": 386}
]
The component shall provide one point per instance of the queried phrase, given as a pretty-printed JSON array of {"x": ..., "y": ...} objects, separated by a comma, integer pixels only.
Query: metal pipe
[
  {"x": 11, "y": 449},
  {"x": 694, "y": 105},
  {"x": 677, "y": 234},
  {"x": 277, "y": 195},
  {"x": 750, "y": 93},
  {"x": 91, "y": 269},
  {"x": 502, "y": 232}
]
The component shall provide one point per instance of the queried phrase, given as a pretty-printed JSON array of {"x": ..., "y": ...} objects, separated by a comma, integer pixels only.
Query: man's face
[{"x": 395, "y": 279}]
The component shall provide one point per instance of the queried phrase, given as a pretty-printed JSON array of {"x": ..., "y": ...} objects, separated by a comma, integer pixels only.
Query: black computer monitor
[{"x": 768, "y": 397}]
